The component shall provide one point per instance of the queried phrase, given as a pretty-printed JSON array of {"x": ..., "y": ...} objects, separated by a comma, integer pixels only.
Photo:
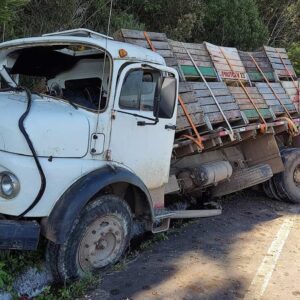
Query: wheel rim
[
  {"x": 296, "y": 175},
  {"x": 100, "y": 244}
]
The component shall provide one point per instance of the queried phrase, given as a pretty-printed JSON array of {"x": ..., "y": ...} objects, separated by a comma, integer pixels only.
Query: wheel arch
[{"x": 108, "y": 179}]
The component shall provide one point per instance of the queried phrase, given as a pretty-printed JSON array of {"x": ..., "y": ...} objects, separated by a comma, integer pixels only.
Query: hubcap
[
  {"x": 297, "y": 175},
  {"x": 101, "y": 243}
]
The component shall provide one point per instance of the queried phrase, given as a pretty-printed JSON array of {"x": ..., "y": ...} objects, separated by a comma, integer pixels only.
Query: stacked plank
[
  {"x": 158, "y": 40},
  {"x": 262, "y": 62},
  {"x": 227, "y": 62},
  {"x": 292, "y": 88},
  {"x": 246, "y": 106},
  {"x": 199, "y": 54},
  {"x": 272, "y": 94},
  {"x": 207, "y": 102},
  {"x": 192, "y": 105},
  {"x": 280, "y": 62}
]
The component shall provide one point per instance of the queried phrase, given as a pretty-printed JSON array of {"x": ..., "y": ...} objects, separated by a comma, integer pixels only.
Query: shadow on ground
[{"x": 197, "y": 261}]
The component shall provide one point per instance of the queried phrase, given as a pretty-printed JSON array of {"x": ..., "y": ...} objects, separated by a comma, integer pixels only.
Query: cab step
[{"x": 163, "y": 216}]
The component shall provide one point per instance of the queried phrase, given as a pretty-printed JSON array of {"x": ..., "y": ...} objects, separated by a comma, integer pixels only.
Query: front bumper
[{"x": 19, "y": 235}]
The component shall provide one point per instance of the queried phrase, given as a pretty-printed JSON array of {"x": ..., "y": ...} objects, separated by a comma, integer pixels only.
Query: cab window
[{"x": 139, "y": 90}]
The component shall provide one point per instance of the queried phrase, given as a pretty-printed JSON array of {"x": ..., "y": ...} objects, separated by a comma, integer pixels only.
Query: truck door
[{"x": 143, "y": 125}]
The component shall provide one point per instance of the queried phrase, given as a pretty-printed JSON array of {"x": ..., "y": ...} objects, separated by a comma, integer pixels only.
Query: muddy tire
[
  {"x": 99, "y": 237},
  {"x": 273, "y": 189},
  {"x": 267, "y": 190},
  {"x": 288, "y": 182},
  {"x": 278, "y": 188}
]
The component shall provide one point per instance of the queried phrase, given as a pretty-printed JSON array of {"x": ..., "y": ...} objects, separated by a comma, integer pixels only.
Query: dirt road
[{"x": 251, "y": 251}]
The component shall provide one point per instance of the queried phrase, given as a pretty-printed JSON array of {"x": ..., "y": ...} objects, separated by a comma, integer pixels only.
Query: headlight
[{"x": 9, "y": 185}]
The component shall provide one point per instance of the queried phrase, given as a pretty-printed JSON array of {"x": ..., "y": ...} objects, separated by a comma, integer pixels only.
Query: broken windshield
[{"x": 75, "y": 73}]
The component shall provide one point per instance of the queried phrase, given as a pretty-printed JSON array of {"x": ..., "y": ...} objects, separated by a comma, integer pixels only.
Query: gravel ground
[
  {"x": 211, "y": 258},
  {"x": 214, "y": 258}
]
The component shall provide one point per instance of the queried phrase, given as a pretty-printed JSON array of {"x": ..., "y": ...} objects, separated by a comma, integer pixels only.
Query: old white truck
[{"x": 91, "y": 150}]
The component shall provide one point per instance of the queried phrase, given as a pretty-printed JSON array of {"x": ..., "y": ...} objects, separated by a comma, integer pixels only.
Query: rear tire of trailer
[
  {"x": 271, "y": 191},
  {"x": 288, "y": 182},
  {"x": 267, "y": 190},
  {"x": 98, "y": 239},
  {"x": 278, "y": 187}
]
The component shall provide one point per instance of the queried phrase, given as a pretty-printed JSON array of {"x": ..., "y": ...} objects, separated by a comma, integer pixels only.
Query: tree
[
  {"x": 8, "y": 10},
  {"x": 233, "y": 23},
  {"x": 179, "y": 19},
  {"x": 282, "y": 17},
  {"x": 294, "y": 55},
  {"x": 42, "y": 16}
]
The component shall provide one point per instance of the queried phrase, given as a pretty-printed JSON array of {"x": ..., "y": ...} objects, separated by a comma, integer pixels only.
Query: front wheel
[{"x": 99, "y": 237}]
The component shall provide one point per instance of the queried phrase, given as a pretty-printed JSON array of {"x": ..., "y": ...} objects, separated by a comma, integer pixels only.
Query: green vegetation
[
  {"x": 246, "y": 24},
  {"x": 282, "y": 18},
  {"x": 9, "y": 8},
  {"x": 234, "y": 23},
  {"x": 294, "y": 55},
  {"x": 75, "y": 290},
  {"x": 13, "y": 263},
  {"x": 155, "y": 239}
]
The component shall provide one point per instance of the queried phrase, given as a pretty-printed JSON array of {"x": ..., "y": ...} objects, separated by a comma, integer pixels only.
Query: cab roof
[{"x": 86, "y": 37}]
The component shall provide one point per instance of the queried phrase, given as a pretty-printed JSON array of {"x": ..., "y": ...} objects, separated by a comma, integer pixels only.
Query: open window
[
  {"x": 149, "y": 90},
  {"x": 139, "y": 90},
  {"x": 75, "y": 73}
]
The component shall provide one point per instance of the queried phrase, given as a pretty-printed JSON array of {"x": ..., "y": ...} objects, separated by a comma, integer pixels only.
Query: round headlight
[{"x": 9, "y": 185}]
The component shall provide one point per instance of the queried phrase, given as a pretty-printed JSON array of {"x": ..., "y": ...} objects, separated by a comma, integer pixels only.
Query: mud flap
[
  {"x": 19, "y": 235},
  {"x": 243, "y": 179}
]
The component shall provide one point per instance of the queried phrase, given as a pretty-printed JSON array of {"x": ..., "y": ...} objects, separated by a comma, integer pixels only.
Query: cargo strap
[
  {"x": 198, "y": 140},
  {"x": 291, "y": 76},
  {"x": 264, "y": 126},
  {"x": 231, "y": 132},
  {"x": 293, "y": 127},
  {"x": 149, "y": 41}
]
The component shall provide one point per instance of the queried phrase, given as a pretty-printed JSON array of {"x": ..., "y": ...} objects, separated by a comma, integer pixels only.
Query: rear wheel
[
  {"x": 286, "y": 185},
  {"x": 99, "y": 237},
  {"x": 288, "y": 182},
  {"x": 268, "y": 188}
]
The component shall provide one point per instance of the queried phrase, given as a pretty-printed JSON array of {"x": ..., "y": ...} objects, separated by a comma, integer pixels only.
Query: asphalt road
[{"x": 251, "y": 251}]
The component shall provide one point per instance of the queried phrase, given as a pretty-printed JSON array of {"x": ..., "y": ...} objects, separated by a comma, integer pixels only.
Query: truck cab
[{"x": 86, "y": 135}]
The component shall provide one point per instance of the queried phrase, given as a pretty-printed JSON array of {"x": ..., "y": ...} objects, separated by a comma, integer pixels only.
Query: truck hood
[{"x": 55, "y": 128}]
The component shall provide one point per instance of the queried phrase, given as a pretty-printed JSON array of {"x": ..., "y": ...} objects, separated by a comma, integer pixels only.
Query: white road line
[{"x": 264, "y": 272}]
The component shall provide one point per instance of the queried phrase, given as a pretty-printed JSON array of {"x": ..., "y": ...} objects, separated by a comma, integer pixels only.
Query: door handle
[{"x": 172, "y": 127}]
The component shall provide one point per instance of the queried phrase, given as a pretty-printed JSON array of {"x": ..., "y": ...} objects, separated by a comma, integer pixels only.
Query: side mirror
[{"x": 167, "y": 101}]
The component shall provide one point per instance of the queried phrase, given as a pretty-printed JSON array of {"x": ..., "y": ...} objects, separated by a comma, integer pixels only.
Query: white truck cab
[{"x": 85, "y": 151}]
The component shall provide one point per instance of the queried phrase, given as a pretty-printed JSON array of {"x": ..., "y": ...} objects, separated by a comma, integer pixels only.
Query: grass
[
  {"x": 120, "y": 266},
  {"x": 12, "y": 263},
  {"x": 70, "y": 291},
  {"x": 154, "y": 240}
]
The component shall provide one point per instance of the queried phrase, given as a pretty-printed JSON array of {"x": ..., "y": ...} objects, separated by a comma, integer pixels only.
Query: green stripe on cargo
[
  {"x": 257, "y": 76},
  {"x": 252, "y": 113},
  {"x": 191, "y": 71}
]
